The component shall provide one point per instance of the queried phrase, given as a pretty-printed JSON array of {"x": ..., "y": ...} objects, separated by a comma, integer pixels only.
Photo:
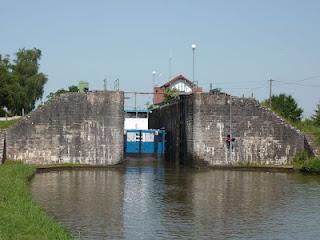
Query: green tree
[
  {"x": 170, "y": 94},
  {"x": 5, "y": 78},
  {"x": 28, "y": 81},
  {"x": 216, "y": 90},
  {"x": 73, "y": 88},
  {"x": 316, "y": 116},
  {"x": 286, "y": 106}
]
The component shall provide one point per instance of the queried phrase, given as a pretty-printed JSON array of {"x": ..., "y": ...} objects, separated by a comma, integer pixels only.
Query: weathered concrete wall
[
  {"x": 261, "y": 136},
  {"x": 82, "y": 128},
  {"x": 169, "y": 117},
  {"x": 2, "y": 145}
]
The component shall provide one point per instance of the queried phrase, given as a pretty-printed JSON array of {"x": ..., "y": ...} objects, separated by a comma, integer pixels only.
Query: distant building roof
[{"x": 177, "y": 79}]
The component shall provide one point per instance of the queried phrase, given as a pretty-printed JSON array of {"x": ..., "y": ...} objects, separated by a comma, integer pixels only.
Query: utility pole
[
  {"x": 105, "y": 84},
  {"x": 270, "y": 91},
  {"x": 230, "y": 146},
  {"x": 116, "y": 85},
  {"x": 135, "y": 104}
]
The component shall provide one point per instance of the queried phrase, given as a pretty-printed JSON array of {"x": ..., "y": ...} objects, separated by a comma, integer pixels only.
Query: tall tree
[
  {"x": 286, "y": 106},
  {"x": 29, "y": 82}
]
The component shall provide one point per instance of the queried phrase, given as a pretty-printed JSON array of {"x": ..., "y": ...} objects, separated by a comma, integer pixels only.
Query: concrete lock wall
[
  {"x": 261, "y": 137},
  {"x": 82, "y": 128},
  {"x": 2, "y": 145}
]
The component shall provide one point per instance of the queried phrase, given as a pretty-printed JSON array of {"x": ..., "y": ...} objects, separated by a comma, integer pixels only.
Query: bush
[{"x": 311, "y": 165}]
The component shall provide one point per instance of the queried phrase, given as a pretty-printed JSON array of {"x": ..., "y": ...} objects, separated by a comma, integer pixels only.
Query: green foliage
[
  {"x": 20, "y": 217},
  {"x": 170, "y": 94},
  {"x": 215, "y": 90},
  {"x": 72, "y": 88},
  {"x": 308, "y": 126},
  {"x": 286, "y": 106},
  {"x": 311, "y": 165},
  {"x": 300, "y": 158},
  {"x": 21, "y": 83},
  {"x": 316, "y": 116}
]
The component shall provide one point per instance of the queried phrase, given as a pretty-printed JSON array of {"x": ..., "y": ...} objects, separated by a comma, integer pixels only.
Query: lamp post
[
  {"x": 105, "y": 84},
  {"x": 193, "y": 46},
  {"x": 230, "y": 130}
]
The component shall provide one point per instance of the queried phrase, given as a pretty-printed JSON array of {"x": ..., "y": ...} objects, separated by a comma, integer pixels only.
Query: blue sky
[{"x": 240, "y": 44}]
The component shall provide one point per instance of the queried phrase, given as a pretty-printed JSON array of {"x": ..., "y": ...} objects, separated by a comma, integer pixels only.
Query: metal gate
[{"x": 144, "y": 141}]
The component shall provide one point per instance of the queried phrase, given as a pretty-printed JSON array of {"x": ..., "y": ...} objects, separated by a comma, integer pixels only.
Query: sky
[{"x": 240, "y": 44}]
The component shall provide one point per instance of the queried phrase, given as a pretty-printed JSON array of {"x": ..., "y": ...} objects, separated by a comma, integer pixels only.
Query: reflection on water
[{"x": 154, "y": 201}]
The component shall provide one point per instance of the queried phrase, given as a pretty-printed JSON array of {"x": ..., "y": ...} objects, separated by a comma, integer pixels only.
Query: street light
[
  {"x": 230, "y": 130},
  {"x": 193, "y": 46}
]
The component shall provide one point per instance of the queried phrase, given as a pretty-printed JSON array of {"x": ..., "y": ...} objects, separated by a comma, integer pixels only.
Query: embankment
[{"x": 20, "y": 217}]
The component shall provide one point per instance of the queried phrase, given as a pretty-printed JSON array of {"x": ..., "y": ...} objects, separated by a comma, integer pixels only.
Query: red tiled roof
[{"x": 176, "y": 79}]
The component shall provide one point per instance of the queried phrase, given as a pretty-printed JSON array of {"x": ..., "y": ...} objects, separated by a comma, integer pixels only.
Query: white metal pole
[{"x": 230, "y": 148}]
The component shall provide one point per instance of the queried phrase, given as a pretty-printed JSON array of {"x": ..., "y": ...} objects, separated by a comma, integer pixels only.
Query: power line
[{"x": 297, "y": 84}]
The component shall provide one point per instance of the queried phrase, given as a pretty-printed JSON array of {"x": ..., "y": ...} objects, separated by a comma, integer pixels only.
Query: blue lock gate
[{"x": 144, "y": 141}]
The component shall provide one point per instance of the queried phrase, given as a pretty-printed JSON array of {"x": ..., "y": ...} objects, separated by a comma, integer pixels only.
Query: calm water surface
[{"x": 155, "y": 201}]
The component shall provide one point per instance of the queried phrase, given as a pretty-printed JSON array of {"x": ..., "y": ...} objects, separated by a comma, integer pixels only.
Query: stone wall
[
  {"x": 261, "y": 137},
  {"x": 84, "y": 128},
  {"x": 168, "y": 117},
  {"x": 2, "y": 146}
]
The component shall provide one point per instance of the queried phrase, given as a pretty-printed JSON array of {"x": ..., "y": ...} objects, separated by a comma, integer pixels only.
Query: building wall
[
  {"x": 136, "y": 123},
  {"x": 158, "y": 95},
  {"x": 82, "y": 128},
  {"x": 168, "y": 117},
  {"x": 261, "y": 137}
]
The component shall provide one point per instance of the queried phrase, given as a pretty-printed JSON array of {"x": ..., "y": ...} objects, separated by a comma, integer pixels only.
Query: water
[{"x": 155, "y": 201}]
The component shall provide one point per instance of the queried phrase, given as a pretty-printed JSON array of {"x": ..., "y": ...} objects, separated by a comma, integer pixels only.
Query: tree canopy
[
  {"x": 21, "y": 83},
  {"x": 286, "y": 106},
  {"x": 170, "y": 94},
  {"x": 72, "y": 88}
]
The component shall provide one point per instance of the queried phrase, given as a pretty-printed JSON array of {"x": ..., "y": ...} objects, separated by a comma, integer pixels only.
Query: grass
[
  {"x": 302, "y": 161},
  {"x": 306, "y": 163},
  {"x": 309, "y": 128},
  {"x": 7, "y": 123},
  {"x": 311, "y": 165},
  {"x": 20, "y": 217}
]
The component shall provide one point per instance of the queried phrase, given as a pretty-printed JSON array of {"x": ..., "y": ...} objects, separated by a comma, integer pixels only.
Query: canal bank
[{"x": 21, "y": 217}]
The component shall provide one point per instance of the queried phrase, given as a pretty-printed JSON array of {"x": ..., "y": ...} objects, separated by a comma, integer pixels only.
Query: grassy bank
[
  {"x": 307, "y": 164},
  {"x": 20, "y": 216},
  {"x": 7, "y": 123},
  {"x": 309, "y": 128},
  {"x": 303, "y": 161}
]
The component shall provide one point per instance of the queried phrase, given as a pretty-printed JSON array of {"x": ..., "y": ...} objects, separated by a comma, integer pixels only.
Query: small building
[
  {"x": 83, "y": 86},
  {"x": 136, "y": 119},
  {"x": 180, "y": 83},
  {"x": 138, "y": 139}
]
